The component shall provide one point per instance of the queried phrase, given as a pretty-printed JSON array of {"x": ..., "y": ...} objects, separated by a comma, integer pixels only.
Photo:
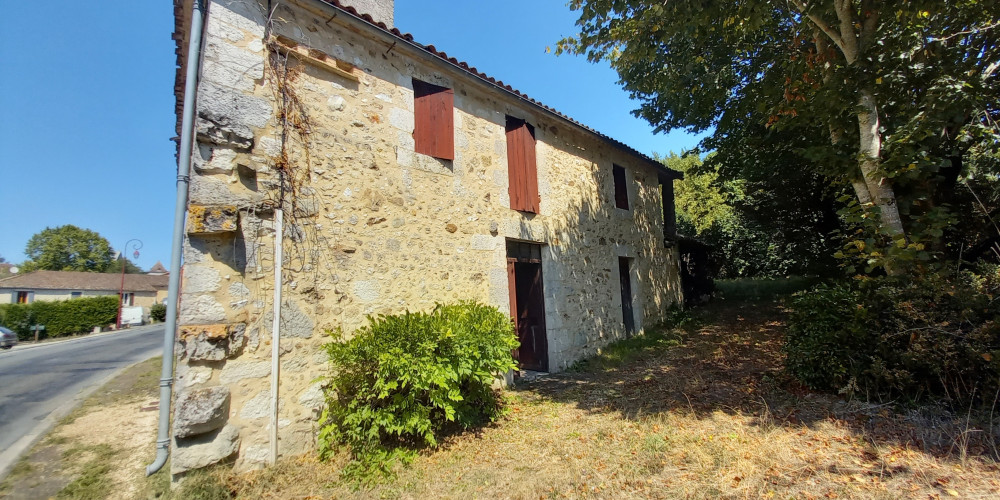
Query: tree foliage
[
  {"x": 130, "y": 268},
  {"x": 754, "y": 231},
  {"x": 888, "y": 100},
  {"x": 68, "y": 248}
]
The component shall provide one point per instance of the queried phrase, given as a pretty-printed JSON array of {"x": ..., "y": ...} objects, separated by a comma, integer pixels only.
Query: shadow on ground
[{"x": 729, "y": 359}]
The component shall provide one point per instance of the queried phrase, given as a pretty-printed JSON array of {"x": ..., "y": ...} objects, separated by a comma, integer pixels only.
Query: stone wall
[
  {"x": 382, "y": 11},
  {"x": 371, "y": 226}
]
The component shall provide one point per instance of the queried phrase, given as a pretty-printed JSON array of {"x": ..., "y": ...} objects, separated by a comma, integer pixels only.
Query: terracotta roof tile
[{"x": 74, "y": 280}]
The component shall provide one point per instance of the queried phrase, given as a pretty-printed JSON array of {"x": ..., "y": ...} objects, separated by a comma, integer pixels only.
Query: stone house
[
  {"x": 139, "y": 289},
  {"x": 403, "y": 178}
]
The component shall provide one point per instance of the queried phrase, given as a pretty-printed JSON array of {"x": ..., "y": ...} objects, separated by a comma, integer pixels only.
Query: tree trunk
[{"x": 869, "y": 160}]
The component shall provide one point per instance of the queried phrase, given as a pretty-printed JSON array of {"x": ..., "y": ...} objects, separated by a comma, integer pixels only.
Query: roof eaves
[{"x": 464, "y": 66}]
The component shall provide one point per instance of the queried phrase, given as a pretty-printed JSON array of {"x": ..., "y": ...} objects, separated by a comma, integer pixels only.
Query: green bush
[
  {"x": 60, "y": 317},
  {"x": 403, "y": 380},
  {"x": 934, "y": 335},
  {"x": 158, "y": 312},
  {"x": 828, "y": 336}
]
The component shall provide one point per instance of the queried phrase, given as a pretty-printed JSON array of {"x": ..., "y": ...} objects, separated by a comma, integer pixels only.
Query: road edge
[{"x": 11, "y": 455}]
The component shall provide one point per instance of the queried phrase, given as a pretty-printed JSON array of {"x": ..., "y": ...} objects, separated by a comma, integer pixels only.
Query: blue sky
[{"x": 87, "y": 106}]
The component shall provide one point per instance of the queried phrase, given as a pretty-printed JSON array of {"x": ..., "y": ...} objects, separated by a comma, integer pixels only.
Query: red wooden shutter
[
  {"x": 433, "y": 120},
  {"x": 521, "y": 168},
  {"x": 621, "y": 188}
]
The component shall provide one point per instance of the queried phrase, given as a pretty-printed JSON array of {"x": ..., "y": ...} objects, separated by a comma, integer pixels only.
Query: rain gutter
[{"x": 177, "y": 241}]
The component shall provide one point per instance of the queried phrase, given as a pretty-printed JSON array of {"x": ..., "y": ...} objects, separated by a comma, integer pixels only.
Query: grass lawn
[{"x": 700, "y": 411}]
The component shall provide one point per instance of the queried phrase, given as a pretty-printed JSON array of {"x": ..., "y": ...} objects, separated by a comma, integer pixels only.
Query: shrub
[
  {"x": 403, "y": 380},
  {"x": 60, "y": 317},
  {"x": 158, "y": 312},
  {"x": 935, "y": 334},
  {"x": 828, "y": 336}
]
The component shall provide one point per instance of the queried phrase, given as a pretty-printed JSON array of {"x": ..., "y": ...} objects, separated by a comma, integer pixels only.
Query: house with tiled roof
[
  {"x": 343, "y": 169},
  {"x": 138, "y": 289},
  {"x": 158, "y": 269}
]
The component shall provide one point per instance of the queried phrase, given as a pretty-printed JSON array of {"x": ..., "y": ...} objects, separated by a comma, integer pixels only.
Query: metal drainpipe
[{"x": 176, "y": 247}]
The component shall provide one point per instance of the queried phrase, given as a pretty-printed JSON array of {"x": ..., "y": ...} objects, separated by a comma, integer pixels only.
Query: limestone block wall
[{"x": 371, "y": 226}]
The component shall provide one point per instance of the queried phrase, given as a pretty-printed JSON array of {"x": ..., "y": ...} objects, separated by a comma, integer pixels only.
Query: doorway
[
  {"x": 625, "y": 275},
  {"x": 527, "y": 304}
]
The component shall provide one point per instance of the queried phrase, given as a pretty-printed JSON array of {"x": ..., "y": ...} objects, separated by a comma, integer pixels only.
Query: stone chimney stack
[{"x": 380, "y": 10}]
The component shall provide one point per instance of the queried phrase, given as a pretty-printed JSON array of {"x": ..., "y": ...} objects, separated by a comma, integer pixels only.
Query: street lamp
[{"x": 136, "y": 245}]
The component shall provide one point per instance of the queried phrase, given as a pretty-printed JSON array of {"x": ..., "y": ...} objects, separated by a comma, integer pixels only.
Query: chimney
[{"x": 380, "y": 10}]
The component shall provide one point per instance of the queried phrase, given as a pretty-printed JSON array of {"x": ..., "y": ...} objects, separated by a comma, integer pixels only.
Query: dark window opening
[
  {"x": 669, "y": 211},
  {"x": 524, "y": 252},
  {"x": 625, "y": 276},
  {"x": 433, "y": 120},
  {"x": 621, "y": 187}
]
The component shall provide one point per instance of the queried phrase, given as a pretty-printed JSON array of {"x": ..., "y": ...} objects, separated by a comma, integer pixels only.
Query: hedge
[{"x": 60, "y": 317}]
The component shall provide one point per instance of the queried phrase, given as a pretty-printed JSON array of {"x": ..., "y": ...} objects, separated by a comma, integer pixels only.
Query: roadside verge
[{"x": 10, "y": 456}]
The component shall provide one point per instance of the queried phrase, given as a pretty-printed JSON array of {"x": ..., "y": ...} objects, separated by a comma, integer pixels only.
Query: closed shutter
[
  {"x": 521, "y": 168},
  {"x": 433, "y": 120},
  {"x": 621, "y": 188}
]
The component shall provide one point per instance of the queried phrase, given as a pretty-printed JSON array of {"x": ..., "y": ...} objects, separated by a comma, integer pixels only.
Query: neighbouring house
[
  {"x": 158, "y": 269},
  {"x": 404, "y": 178},
  {"x": 139, "y": 289}
]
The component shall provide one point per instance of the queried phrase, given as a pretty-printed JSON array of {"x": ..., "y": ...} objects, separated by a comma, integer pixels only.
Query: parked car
[{"x": 7, "y": 338}]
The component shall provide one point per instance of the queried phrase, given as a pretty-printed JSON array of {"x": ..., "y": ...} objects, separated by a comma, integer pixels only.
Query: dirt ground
[{"x": 703, "y": 411}]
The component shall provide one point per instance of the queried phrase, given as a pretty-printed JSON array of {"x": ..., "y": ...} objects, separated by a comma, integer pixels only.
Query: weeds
[
  {"x": 622, "y": 352},
  {"x": 93, "y": 482}
]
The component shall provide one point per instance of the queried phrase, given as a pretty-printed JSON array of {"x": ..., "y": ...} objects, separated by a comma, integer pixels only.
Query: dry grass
[{"x": 699, "y": 413}]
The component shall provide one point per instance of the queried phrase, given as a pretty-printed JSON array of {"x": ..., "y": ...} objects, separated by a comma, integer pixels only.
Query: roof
[
  {"x": 158, "y": 269},
  {"x": 78, "y": 280},
  {"x": 180, "y": 36}
]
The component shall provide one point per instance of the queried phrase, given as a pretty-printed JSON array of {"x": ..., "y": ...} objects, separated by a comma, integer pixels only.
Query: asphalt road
[{"x": 40, "y": 382}]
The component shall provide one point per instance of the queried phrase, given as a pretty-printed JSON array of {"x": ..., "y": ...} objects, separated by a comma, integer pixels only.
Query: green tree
[
  {"x": 130, "y": 268},
  {"x": 754, "y": 232},
  {"x": 68, "y": 248},
  {"x": 888, "y": 97},
  {"x": 700, "y": 198}
]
